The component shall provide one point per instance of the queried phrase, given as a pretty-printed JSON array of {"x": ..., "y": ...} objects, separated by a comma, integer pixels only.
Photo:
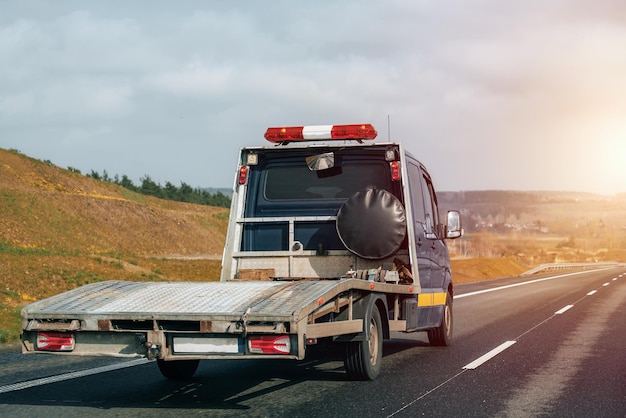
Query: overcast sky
[{"x": 488, "y": 94}]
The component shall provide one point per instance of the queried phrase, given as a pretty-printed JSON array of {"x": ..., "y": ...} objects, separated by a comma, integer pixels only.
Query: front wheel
[
  {"x": 363, "y": 358},
  {"x": 178, "y": 369},
  {"x": 442, "y": 335}
]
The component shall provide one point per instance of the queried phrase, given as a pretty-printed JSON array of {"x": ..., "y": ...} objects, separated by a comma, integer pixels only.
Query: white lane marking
[
  {"x": 482, "y": 359},
  {"x": 606, "y": 284},
  {"x": 72, "y": 375},
  {"x": 614, "y": 278},
  {"x": 493, "y": 289},
  {"x": 593, "y": 292},
  {"x": 564, "y": 309}
]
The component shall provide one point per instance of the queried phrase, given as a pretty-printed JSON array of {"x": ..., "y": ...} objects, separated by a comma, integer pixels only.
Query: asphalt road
[{"x": 524, "y": 347}]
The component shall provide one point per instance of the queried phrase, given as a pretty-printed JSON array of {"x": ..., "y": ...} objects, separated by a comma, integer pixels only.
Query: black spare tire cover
[{"x": 372, "y": 223}]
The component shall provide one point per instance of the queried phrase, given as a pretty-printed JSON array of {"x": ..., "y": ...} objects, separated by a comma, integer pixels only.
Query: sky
[{"x": 488, "y": 94}]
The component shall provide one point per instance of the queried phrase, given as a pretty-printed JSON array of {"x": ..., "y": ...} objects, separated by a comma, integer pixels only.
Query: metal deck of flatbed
[{"x": 194, "y": 300}]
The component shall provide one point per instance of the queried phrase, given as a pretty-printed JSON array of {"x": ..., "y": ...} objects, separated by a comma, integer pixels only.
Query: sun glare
[{"x": 611, "y": 160}]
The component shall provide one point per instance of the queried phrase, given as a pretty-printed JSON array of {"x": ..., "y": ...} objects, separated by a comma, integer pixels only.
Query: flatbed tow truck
[{"x": 331, "y": 240}]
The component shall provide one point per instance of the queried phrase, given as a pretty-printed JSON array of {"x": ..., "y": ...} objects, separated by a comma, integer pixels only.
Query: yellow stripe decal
[
  {"x": 440, "y": 298},
  {"x": 431, "y": 299}
]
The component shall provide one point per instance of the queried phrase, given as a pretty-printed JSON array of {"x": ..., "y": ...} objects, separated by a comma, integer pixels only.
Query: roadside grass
[
  {"x": 28, "y": 276},
  {"x": 478, "y": 269},
  {"x": 189, "y": 270}
]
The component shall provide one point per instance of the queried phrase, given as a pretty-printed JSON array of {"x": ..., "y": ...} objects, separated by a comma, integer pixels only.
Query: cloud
[
  {"x": 68, "y": 100},
  {"x": 77, "y": 136},
  {"x": 193, "y": 80}
]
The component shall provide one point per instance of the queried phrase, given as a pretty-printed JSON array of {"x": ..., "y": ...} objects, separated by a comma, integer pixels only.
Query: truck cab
[{"x": 323, "y": 202}]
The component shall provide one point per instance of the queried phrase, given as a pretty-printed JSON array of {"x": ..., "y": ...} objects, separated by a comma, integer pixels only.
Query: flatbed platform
[{"x": 271, "y": 300}]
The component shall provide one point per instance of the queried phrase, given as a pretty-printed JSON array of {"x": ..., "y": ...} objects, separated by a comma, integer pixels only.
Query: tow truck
[{"x": 332, "y": 239}]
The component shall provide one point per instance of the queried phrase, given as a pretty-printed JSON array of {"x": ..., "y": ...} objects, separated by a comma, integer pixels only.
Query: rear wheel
[
  {"x": 442, "y": 335},
  {"x": 178, "y": 369},
  {"x": 363, "y": 358}
]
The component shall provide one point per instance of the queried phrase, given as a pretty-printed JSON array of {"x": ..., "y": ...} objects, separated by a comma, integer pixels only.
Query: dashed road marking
[
  {"x": 564, "y": 309},
  {"x": 488, "y": 356}
]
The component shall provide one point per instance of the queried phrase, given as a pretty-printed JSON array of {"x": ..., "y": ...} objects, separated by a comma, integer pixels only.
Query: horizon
[{"x": 223, "y": 189}]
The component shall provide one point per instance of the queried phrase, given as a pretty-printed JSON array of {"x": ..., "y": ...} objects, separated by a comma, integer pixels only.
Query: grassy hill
[{"x": 60, "y": 229}]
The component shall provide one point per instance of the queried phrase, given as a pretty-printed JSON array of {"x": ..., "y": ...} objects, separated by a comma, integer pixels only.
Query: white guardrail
[{"x": 544, "y": 268}]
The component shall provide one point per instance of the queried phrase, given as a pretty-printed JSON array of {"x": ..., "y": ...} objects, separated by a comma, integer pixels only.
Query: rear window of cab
[{"x": 289, "y": 183}]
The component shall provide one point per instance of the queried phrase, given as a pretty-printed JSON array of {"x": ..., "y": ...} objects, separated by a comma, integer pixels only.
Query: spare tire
[{"x": 372, "y": 224}]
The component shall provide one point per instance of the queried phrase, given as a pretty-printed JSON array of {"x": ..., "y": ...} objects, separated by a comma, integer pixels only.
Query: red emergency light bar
[{"x": 321, "y": 132}]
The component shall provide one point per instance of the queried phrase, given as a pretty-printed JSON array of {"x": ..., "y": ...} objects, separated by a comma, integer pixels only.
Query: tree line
[{"x": 184, "y": 193}]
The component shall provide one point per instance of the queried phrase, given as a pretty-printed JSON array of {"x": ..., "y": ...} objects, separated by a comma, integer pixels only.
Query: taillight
[
  {"x": 243, "y": 175},
  {"x": 269, "y": 344},
  {"x": 55, "y": 341},
  {"x": 395, "y": 170}
]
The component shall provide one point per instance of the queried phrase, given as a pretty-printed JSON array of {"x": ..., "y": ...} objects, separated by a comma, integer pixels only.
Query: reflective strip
[
  {"x": 432, "y": 299},
  {"x": 440, "y": 298}
]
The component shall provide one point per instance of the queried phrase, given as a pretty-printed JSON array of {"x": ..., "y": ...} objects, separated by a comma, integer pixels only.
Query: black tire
[
  {"x": 372, "y": 213},
  {"x": 178, "y": 369},
  {"x": 363, "y": 358},
  {"x": 442, "y": 335}
]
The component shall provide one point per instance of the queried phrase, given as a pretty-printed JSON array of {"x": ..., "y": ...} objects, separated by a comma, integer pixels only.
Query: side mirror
[{"x": 454, "y": 229}]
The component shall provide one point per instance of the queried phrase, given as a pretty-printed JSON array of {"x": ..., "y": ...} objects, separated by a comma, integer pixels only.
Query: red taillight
[
  {"x": 55, "y": 341},
  {"x": 243, "y": 175},
  {"x": 395, "y": 170},
  {"x": 269, "y": 344},
  {"x": 321, "y": 132}
]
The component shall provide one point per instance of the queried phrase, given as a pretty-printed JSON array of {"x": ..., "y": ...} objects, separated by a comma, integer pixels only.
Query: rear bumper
[{"x": 162, "y": 345}]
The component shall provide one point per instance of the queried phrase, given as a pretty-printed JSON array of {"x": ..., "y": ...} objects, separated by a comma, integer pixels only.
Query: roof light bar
[{"x": 356, "y": 132}]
